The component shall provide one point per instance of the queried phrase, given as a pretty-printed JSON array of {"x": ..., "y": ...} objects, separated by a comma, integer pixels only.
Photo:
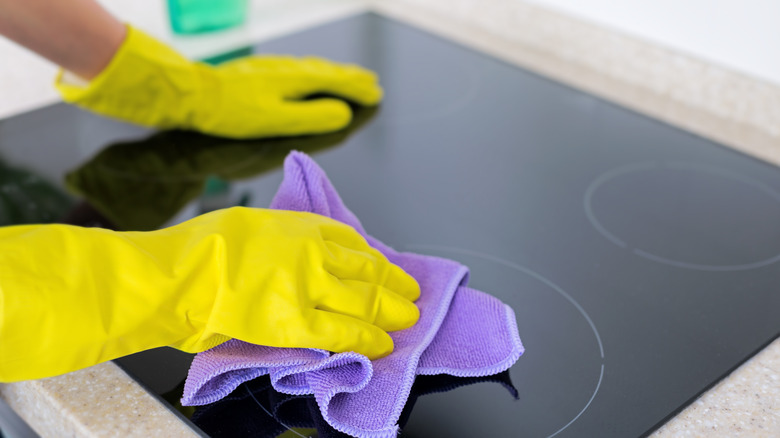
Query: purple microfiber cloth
[
  {"x": 461, "y": 332},
  {"x": 256, "y": 409}
]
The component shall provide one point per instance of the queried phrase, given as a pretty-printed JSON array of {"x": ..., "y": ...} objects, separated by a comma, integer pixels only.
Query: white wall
[{"x": 743, "y": 35}]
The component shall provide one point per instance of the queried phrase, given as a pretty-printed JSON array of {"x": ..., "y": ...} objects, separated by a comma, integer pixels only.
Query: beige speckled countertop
[{"x": 728, "y": 107}]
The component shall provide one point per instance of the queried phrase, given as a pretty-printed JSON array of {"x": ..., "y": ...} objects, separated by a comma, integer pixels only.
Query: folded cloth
[
  {"x": 256, "y": 409},
  {"x": 461, "y": 332}
]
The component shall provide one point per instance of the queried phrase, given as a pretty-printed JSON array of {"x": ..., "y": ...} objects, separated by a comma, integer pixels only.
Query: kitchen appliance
[{"x": 641, "y": 260}]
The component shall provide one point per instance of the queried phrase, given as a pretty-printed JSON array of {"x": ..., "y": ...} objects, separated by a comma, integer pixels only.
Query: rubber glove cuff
[{"x": 146, "y": 82}]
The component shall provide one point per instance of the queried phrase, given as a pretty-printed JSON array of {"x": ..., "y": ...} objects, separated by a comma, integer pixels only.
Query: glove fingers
[
  {"x": 370, "y": 266},
  {"x": 342, "y": 234},
  {"x": 350, "y": 264},
  {"x": 339, "y": 333},
  {"x": 310, "y": 117},
  {"x": 372, "y": 303},
  {"x": 398, "y": 281},
  {"x": 349, "y": 81}
]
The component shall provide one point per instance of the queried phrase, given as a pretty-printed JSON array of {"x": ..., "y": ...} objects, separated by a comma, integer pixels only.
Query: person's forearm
[
  {"x": 78, "y": 35},
  {"x": 68, "y": 300}
]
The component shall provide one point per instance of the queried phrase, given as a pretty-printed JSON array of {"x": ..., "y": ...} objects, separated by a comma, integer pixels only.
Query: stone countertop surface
[{"x": 725, "y": 106}]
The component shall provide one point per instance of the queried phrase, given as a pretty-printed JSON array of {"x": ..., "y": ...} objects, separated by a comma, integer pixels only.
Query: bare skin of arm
[{"x": 78, "y": 35}]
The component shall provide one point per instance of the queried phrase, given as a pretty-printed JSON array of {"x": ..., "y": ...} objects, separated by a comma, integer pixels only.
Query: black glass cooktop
[{"x": 641, "y": 260}]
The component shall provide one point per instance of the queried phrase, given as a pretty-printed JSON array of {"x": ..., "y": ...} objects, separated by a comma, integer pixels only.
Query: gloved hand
[
  {"x": 71, "y": 297},
  {"x": 151, "y": 84}
]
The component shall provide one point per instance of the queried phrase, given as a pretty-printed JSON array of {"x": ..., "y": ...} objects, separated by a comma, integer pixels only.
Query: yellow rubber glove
[
  {"x": 149, "y": 83},
  {"x": 71, "y": 297}
]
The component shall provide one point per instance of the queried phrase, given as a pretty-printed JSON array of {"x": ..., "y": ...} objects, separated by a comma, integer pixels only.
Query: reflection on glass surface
[
  {"x": 255, "y": 409},
  {"x": 26, "y": 198},
  {"x": 140, "y": 185}
]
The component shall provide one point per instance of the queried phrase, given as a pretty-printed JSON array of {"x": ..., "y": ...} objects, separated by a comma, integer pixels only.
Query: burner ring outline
[
  {"x": 475, "y": 83},
  {"x": 547, "y": 283},
  {"x": 289, "y": 428},
  {"x": 630, "y": 168}
]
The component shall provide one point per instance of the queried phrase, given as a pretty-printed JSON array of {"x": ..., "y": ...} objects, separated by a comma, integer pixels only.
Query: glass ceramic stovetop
[{"x": 641, "y": 260}]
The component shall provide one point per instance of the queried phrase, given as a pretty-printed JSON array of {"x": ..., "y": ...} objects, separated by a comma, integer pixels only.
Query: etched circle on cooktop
[
  {"x": 687, "y": 215},
  {"x": 413, "y": 95},
  {"x": 557, "y": 377}
]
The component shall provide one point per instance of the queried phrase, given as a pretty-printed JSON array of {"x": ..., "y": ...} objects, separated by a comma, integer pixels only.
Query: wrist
[
  {"x": 191, "y": 261},
  {"x": 100, "y": 53},
  {"x": 146, "y": 82}
]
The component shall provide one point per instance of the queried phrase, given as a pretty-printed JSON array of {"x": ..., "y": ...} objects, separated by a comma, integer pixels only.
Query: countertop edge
[
  {"x": 709, "y": 100},
  {"x": 98, "y": 401}
]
